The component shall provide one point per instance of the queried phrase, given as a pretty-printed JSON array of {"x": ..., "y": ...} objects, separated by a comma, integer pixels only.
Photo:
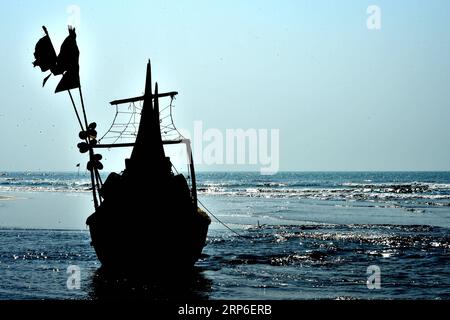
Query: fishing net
[{"x": 125, "y": 125}]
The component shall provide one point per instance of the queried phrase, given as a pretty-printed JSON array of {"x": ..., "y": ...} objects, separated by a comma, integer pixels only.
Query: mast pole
[
  {"x": 76, "y": 111},
  {"x": 82, "y": 106},
  {"x": 192, "y": 168},
  {"x": 94, "y": 176},
  {"x": 91, "y": 153},
  {"x": 146, "y": 113}
]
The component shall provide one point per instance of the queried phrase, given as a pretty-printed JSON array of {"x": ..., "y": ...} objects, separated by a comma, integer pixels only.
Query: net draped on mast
[{"x": 124, "y": 127}]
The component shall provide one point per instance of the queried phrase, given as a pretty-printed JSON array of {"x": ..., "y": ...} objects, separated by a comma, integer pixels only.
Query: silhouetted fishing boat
[
  {"x": 146, "y": 218},
  {"x": 148, "y": 213}
]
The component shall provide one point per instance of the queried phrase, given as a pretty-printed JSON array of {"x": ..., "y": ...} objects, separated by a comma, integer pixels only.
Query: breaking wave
[
  {"x": 50, "y": 182},
  {"x": 418, "y": 193},
  {"x": 386, "y": 190}
]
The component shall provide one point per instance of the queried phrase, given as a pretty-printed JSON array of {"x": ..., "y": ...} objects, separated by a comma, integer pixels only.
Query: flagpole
[
  {"x": 94, "y": 176},
  {"x": 47, "y": 59},
  {"x": 91, "y": 153},
  {"x": 76, "y": 111},
  {"x": 82, "y": 106}
]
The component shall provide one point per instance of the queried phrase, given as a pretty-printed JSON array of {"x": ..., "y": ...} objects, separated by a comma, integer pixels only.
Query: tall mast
[
  {"x": 148, "y": 152},
  {"x": 147, "y": 111}
]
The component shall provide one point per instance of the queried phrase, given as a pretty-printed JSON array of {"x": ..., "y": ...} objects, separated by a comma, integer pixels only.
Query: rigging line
[
  {"x": 82, "y": 106},
  {"x": 126, "y": 126},
  {"x": 117, "y": 111},
  {"x": 134, "y": 117},
  {"x": 221, "y": 222},
  {"x": 171, "y": 118},
  {"x": 163, "y": 109},
  {"x": 168, "y": 127},
  {"x": 123, "y": 124},
  {"x": 212, "y": 214},
  {"x": 76, "y": 111}
]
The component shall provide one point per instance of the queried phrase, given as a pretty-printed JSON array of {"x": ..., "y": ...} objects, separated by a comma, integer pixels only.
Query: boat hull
[{"x": 157, "y": 230}]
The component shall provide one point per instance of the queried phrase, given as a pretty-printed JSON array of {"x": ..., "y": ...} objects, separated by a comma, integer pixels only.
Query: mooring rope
[
  {"x": 213, "y": 215},
  {"x": 220, "y": 221}
]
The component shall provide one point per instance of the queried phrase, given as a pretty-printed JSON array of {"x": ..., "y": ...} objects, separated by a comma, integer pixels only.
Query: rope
[
  {"x": 170, "y": 129},
  {"x": 220, "y": 221},
  {"x": 76, "y": 111},
  {"x": 171, "y": 106},
  {"x": 212, "y": 214},
  {"x": 112, "y": 124}
]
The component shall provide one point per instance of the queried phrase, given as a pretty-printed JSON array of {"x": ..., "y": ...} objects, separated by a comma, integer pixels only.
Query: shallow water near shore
[{"x": 303, "y": 236}]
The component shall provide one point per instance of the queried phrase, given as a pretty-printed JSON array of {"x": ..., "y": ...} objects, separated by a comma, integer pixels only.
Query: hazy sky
[{"x": 343, "y": 97}]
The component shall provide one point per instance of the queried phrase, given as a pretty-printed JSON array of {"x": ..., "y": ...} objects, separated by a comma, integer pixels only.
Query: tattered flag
[
  {"x": 44, "y": 53},
  {"x": 66, "y": 63}
]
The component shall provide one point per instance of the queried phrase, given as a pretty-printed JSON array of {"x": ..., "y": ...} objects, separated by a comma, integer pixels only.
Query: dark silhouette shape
[
  {"x": 147, "y": 218},
  {"x": 44, "y": 53},
  {"x": 66, "y": 63},
  {"x": 148, "y": 213}
]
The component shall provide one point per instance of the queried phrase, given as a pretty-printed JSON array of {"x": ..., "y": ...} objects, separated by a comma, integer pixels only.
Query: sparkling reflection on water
[{"x": 269, "y": 262}]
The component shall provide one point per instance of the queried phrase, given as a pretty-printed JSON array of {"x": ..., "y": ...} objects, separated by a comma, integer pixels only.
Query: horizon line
[{"x": 236, "y": 171}]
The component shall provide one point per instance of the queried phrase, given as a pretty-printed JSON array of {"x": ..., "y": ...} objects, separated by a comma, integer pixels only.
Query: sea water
[{"x": 294, "y": 235}]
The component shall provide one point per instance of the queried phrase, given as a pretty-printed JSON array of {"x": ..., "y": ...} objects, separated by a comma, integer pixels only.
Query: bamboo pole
[
  {"x": 76, "y": 111},
  {"x": 91, "y": 154}
]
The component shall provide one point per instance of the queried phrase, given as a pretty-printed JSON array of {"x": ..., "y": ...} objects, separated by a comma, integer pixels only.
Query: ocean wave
[
  {"x": 323, "y": 194},
  {"x": 5, "y": 198},
  {"x": 387, "y": 193},
  {"x": 399, "y": 187},
  {"x": 42, "y": 185}
]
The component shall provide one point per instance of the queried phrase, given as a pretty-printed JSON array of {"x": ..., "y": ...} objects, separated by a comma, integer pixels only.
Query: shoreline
[{"x": 43, "y": 210}]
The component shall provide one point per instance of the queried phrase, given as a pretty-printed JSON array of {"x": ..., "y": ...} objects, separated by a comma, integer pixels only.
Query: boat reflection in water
[{"x": 187, "y": 286}]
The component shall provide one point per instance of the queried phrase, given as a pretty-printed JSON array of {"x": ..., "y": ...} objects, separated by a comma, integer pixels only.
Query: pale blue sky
[{"x": 344, "y": 97}]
